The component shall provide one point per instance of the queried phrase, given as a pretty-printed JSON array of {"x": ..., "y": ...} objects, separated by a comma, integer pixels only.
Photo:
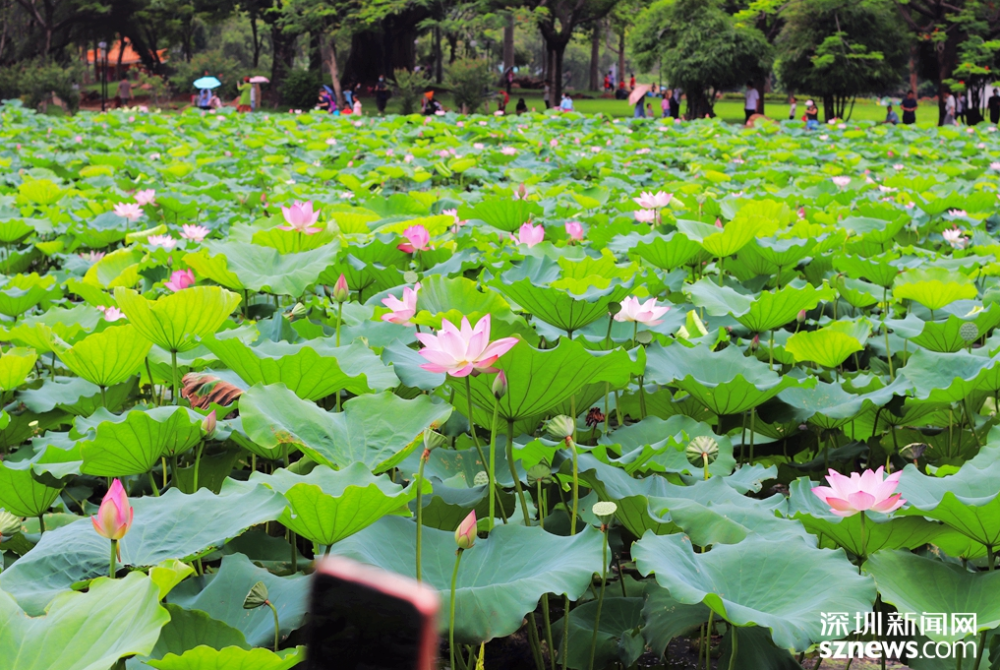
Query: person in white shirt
[
  {"x": 792, "y": 104},
  {"x": 752, "y": 96},
  {"x": 949, "y": 109}
]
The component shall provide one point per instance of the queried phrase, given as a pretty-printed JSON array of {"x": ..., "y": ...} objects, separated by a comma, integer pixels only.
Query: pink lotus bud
[
  {"x": 575, "y": 230},
  {"x": 801, "y": 316},
  {"x": 114, "y": 517},
  {"x": 755, "y": 343},
  {"x": 500, "y": 385},
  {"x": 718, "y": 223},
  {"x": 208, "y": 424},
  {"x": 465, "y": 534},
  {"x": 341, "y": 293}
]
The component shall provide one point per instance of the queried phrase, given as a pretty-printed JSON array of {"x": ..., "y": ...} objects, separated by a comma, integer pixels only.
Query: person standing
[
  {"x": 509, "y": 77},
  {"x": 245, "y": 88},
  {"x": 125, "y": 92},
  {"x": 381, "y": 94},
  {"x": 502, "y": 99},
  {"x": 665, "y": 105},
  {"x": 640, "y": 109},
  {"x": 960, "y": 108},
  {"x": 792, "y": 105},
  {"x": 949, "y": 110},
  {"x": 675, "y": 104},
  {"x": 993, "y": 105},
  {"x": 547, "y": 95},
  {"x": 631, "y": 82},
  {"x": 909, "y": 106},
  {"x": 750, "y": 104}
]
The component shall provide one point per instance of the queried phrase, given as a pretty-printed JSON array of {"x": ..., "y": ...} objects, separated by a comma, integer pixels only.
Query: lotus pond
[{"x": 616, "y": 357}]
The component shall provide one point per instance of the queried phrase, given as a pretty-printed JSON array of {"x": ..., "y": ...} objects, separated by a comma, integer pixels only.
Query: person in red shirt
[
  {"x": 504, "y": 98},
  {"x": 631, "y": 83}
]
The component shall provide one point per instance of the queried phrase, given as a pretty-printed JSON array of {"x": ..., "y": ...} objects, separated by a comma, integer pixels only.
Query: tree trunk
[
  {"x": 283, "y": 55},
  {"x": 316, "y": 51},
  {"x": 557, "y": 73},
  {"x": 328, "y": 52},
  {"x": 698, "y": 104},
  {"x": 438, "y": 56},
  {"x": 621, "y": 55},
  {"x": 946, "y": 55},
  {"x": 913, "y": 69},
  {"x": 761, "y": 86},
  {"x": 121, "y": 52},
  {"x": 508, "y": 43},
  {"x": 256, "y": 41},
  {"x": 595, "y": 58},
  {"x": 829, "y": 108}
]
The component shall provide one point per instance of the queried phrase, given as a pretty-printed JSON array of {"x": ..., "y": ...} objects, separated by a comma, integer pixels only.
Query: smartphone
[{"x": 364, "y": 618}]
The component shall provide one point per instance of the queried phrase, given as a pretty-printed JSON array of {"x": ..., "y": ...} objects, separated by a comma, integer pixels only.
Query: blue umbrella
[{"x": 207, "y": 82}]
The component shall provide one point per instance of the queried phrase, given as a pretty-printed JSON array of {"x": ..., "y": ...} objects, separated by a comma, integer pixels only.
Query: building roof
[{"x": 129, "y": 55}]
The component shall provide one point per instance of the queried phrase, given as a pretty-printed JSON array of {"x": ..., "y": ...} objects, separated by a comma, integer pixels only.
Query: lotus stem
[
  {"x": 753, "y": 416},
  {"x": 735, "y": 645},
  {"x": 41, "y": 523},
  {"x": 197, "y": 464},
  {"x": 114, "y": 555},
  {"x": 564, "y": 651},
  {"x": 420, "y": 506},
  {"x": 979, "y": 652},
  {"x": 607, "y": 418},
  {"x": 600, "y": 597},
  {"x": 340, "y": 310},
  {"x": 295, "y": 553},
  {"x": 707, "y": 640},
  {"x": 152, "y": 386},
  {"x": 513, "y": 472},
  {"x": 104, "y": 397},
  {"x": 546, "y": 620},
  {"x": 277, "y": 628},
  {"x": 173, "y": 368},
  {"x": 864, "y": 544},
  {"x": 972, "y": 423},
  {"x": 576, "y": 486},
  {"x": 451, "y": 608},
  {"x": 472, "y": 423},
  {"x": 493, "y": 465}
]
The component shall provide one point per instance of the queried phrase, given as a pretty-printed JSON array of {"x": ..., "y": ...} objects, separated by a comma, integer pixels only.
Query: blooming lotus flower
[
  {"x": 995, "y": 165},
  {"x": 575, "y": 230},
  {"x": 146, "y": 197},
  {"x": 165, "y": 241},
  {"x": 114, "y": 517},
  {"x": 465, "y": 534},
  {"x": 954, "y": 237},
  {"x": 553, "y": 142},
  {"x": 847, "y": 496},
  {"x": 508, "y": 151},
  {"x": 128, "y": 210},
  {"x": 645, "y": 215},
  {"x": 300, "y": 217},
  {"x": 402, "y": 310},
  {"x": 646, "y": 313},
  {"x": 841, "y": 181},
  {"x": 463, "y": 351},
  {"x": 898, "y": 166},
  {"x": 417, "y": 239},
  {"x": 529, "y": 235},
  {"x": 180, "y": 280},
  {"x": 653, "y": 200},
  {"x": 112, "y": 314},
  {"x": 957, "y": 212},
  {"x": 92, "y": 256},
  {"x": 194, "y": 233}
]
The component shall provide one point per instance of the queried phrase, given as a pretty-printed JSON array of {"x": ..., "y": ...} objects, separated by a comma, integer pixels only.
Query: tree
[
  {"x": 701, "y": 49},
  {"x": 839, "y": 49},
  {"x": 974, "y": 73}
]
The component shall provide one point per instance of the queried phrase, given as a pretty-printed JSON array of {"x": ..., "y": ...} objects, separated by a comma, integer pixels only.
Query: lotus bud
[
  {"x": 465, "y": 534},
  {"x": 702, "y": 450},
  {"x": 482, "y": 478},
  {"x": 500, "y": 385},
  {"x": 605, "y": 510},
  {"x": 539, "y": 473},
  {"x": 913, "y": 451},
  {"x": 298, "y": 311},
  {"x": 9, "y": 524},
  {"x": 968, "y": 331},
  {"x": 208, "y": 424},
  {"x": 801, "y": 316},
  {"x": 257, "y": 597},
  {"x": 433, "y": 440},
  {"x": 614, "y": 308},
  {"x": 114, "y": 517},
  {"x": 755, "y": 343},
  {"x": 341, "y": 293},
  {"x": 521, "y": 191},
  {"x": 560, "y": 427}
]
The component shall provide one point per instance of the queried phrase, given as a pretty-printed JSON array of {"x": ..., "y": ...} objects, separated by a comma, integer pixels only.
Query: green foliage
[
  {"x": 409, "y": 87},
  {"x": 34, "y": 81},
  {"x": 301, "y": 88},
  {"x": 469, "y": 79},
  {"x": 215, "y": 63}
]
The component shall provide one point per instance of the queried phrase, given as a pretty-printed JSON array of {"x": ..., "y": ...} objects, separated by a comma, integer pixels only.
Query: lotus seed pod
[
  {"x": 298, "y": 311},
  {"x": 9, "y": 524},
  {"x": 913, "y": 450},
  {"x": 482, "y": 478},
  {"x": 605, "y": 510},
  {"x": 560, "y": 427},
  {"x": 968, "y": 331},
  {"x": 433, "y": 440},
  {"x": 256, "y": 597},
  {"x": 702, "y": 449}
]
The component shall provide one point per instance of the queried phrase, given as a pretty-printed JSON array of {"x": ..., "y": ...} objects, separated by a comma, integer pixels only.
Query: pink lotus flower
[
  {"x": 180, "y": 280},
  {"x": 146, "y": 197},
  {"x": 957, "y": 212},
  {"x": 194, "y": 233},
  {"x": 575, "y": 230},
  {"x": 465, "y": 351},
  {"x": 92, "y": 256},
  {"x": 646, "y": 313},
  {"x": 165, "y": 241},
  {"x": 465, "y": 534},
  {"x": 128, "y": 210},
  {"x": 995, "y": 165},
  {"x": 508, "y": 151},
  {"x": 553, "y": 142},
  {"x": 300, "y": 217},
  {"x": 402, "y": 310},
  {"x": 111, "y": 314},
  {"x": 841, "y": 181},
  {"x": 954, "y": 237},
  {"x": 653, "y": 200},
  {"x": 209, "y": 423},
  {"x": 114, "y": 517},
  {"x": 417, "y": 239},
  {"x": 847, "y": 496},
  {"x": 645, "y": 215},
  {"x": 529, "y": 235}
]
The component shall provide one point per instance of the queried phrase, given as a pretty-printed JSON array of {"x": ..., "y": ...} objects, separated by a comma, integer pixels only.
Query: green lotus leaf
[
  {"x": 917, "y": 585},
  {"x": 192, "y": 628},
  {"x": 966, "y": 501},
  {"x": 504, "y": 213},
  {"x": 776, "y": 254},
  {"x": 446, "y": 506},
  {"x": 618, "y": 636},
  {"x": 40, "y": 192},
  {"x": 831, "y": 345},
  {"x": 83, "y": 631},
  {"x": 829, "y": 406},
  {"x": 665, "y": 618},
  {"x": 725, "y": 382},
  {"x": 75, "y": 395},
  {"x": 20, "y": 293},
  {"x": 533, "y": 287},
  {"x": 378, "y": 430},
  {"x": 878, "y": 269},
  {"x": 441, "y": 295},
  {"x": 174, "y": 525},
  {"x": 39, "y": 331},
  {"x": 108, "y": 357},
  {"x": 737, "y": 581},
  {"x": 631, "y": 494},
  {"x": 15, "y": 366},
  {"x": 658, "y": 444},
  {"x": 118, "y": 268},
  {"x": 949, "y": 378},
  {"x": 222, "y": 599},
  {"x": 501, "y": 578},
  {"x": 174, "y": 321},
  {"x": 13, "y": 231},
  {"x": 720, "y": 243},
  {"x": 667, "y": 252},
  {"x": 567, "y": 368},
  {"x": 327, "y": 505},
  {"x": 241, "y": 266},
  {"x": 206, "y": 658},
  {"x": 312, "y": 369},
  {"x": 760, "y": 313},
  {"x": 857, "y": 292},
  {"x": 880, "y": 531},
  {"x": 948, "y": 336},
  {"x": 876, "y": 230},
  {"x": 934, "y": 288},
  {"x": 169, "y": 574},
  {"x": 132, "y": 443},
  {"x": 21, "y": 494}
]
